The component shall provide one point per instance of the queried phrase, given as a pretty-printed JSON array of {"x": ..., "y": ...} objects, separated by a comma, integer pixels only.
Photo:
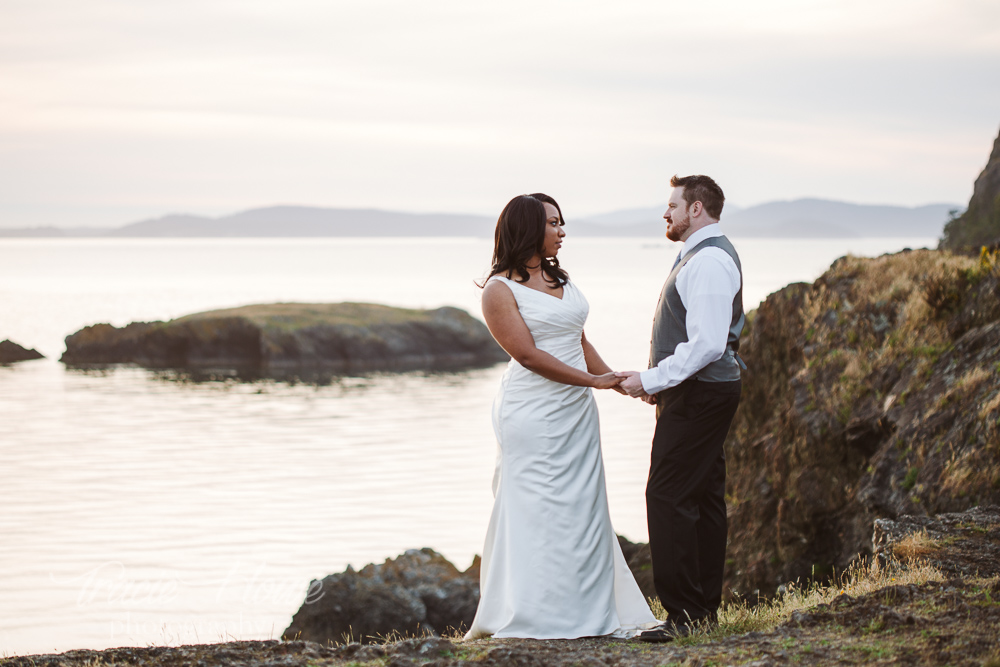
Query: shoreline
[{"x": 930, "y": 596}]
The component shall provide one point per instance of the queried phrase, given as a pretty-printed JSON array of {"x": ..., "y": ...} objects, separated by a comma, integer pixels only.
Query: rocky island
[
  {"x": 11, "y": 352},
  {"x": 337, "y": 337}
]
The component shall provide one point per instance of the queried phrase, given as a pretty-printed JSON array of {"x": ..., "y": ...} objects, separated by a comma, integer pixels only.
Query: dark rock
[
  {"x": 418, "y": 593},
  {"x": 425, "y": 648},
  {"x": 641, "y": 564},
  {"x": 341, "y": 337},
  {"x": 972, "y": 538},
  {"x": 510, "y": 657},
  {"x": 980, "y": 224},
  {"x": 357, "y": 652},
  {"x": 866, "y": 434},
  {"x": 11, "y": 352}
]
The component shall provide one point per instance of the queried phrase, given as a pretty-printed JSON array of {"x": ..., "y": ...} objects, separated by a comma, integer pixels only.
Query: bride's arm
[
  {"x": 595, "y": 364},
  {"x": 508, "y": 327}
]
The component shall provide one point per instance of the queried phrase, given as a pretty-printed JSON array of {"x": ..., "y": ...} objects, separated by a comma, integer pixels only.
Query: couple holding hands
[{"x": 552, "y": 567}]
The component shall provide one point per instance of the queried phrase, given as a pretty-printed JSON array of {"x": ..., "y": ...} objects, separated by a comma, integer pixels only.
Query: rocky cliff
[
  {"x": 980, "y": 224},
  {"x": 338, "y": 337},
  {"x": 873, "y": 392}
]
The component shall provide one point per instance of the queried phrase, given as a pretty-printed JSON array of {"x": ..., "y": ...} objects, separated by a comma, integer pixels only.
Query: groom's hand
[{"x": 631, "y": 384}]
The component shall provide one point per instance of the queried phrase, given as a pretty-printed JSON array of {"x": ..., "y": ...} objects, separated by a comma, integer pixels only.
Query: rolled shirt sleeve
[{"x": 707, "y": 285}]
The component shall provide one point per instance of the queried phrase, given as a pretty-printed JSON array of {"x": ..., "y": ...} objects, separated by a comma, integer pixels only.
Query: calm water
[{"x": 140, "y": 508}]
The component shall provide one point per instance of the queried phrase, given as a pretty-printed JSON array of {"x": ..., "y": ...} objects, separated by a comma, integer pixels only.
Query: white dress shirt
[{"x": 707, "y": 286}]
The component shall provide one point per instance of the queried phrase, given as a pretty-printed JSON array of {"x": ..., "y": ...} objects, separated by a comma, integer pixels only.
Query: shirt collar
[{"x": 707, "y": 232}]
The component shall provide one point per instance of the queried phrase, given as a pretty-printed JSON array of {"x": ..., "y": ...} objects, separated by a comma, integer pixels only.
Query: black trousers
[{"x": 686, "y": 496}]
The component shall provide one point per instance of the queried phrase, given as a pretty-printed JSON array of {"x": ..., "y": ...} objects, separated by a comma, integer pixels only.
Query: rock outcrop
[
  {"x": 341, "y": 337},
  {"x": 417, "y": 593},
  {"x": 980, "y": 224},
  {"x": 874, "y": 392},
  {"x": 961, "y": 545},
  {"x": 11, "y": 352}
]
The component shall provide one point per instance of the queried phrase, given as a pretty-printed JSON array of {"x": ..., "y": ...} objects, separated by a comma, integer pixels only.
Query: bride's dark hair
[{"x": 520, "y": 235}]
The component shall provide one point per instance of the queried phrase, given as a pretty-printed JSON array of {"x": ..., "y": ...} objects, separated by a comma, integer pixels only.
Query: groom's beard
[{"x": 677, "y": 228}]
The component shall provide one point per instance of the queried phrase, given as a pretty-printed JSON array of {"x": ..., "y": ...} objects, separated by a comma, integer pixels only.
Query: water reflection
[{"x": 450, "y": 372}]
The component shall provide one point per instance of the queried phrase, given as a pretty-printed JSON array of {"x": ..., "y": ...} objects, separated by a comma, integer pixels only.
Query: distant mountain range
[{"x": 802, "y": 218}]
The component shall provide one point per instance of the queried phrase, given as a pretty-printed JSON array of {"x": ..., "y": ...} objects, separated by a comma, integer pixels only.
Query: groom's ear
[{"x": 696, "y": 208}]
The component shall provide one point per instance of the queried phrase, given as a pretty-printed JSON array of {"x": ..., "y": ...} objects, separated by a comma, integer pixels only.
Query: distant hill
[
  {"x": 52, "y": 232},
  {"x": 291, "y": 221},
  {"x": 632, "y": 216},
  {"x": 821, "y": 218},
  {"x": 802, "y": 218}
]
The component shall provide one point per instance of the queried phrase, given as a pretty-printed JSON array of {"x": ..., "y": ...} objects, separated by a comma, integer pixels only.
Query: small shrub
[
  {"x": 943, "y": 291},
  {"x": 989, "y": 263}
]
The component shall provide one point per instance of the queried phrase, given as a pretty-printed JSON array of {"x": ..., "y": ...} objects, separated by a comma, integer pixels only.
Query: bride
[{"x": 552, "y": 567}]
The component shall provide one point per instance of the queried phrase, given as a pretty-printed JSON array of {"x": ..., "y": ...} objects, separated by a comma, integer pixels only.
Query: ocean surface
[{"x": 147, "y": 508}]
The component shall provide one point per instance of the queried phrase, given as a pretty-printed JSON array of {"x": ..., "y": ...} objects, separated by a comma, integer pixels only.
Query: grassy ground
[{"x": 298, "y": 315}]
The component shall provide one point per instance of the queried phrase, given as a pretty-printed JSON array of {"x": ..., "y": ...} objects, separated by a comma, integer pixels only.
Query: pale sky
[{"x": 117, "y": 110}]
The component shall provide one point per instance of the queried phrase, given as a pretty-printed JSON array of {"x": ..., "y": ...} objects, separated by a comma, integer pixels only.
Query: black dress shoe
[{"x": 666, "y": 633}]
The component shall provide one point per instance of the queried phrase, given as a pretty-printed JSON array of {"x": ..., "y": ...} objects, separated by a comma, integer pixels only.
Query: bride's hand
[{"x": 606, "y": 381}]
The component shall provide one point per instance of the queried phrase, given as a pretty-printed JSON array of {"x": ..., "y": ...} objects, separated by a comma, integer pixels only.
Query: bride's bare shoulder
[
  {"x": 498, "y": 295},
  {"x": 496, "y": 287}
]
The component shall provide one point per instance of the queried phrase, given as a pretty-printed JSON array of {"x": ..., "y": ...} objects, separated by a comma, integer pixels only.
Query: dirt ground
[
  {"x": 951, "y": 622},
  {"x": 939, "y": 604}
]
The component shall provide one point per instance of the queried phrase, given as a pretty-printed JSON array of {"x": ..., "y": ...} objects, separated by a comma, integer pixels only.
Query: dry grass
[
  {"x": 915, "y": 546},
  {"x": 296, "y": 315},
  {"x": 972, "y": 380},
  {"x": 860, "y": 579},
  {"x": 990, "y": 406},
  {"x": 965, "y": 471}
]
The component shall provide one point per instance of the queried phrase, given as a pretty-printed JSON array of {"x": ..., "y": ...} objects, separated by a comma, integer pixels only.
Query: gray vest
[{"x": 670, "y": 330}]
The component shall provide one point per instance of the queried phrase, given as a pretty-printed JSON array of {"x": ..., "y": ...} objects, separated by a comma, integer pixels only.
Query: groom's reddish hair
[{"x": 703, "y": 189}]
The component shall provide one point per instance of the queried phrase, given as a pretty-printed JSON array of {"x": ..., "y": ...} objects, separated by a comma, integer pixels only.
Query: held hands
[
  {"x": 632, "y": 385},
  {"x": 626, "y": 383},
  {"x": 608, "y": 381}
]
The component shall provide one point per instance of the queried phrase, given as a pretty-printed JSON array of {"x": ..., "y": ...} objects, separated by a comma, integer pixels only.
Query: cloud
[{"x": 453, "y": 105}]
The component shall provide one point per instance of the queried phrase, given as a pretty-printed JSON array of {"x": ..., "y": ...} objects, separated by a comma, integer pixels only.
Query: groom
[{"x": 694, "y": 381}]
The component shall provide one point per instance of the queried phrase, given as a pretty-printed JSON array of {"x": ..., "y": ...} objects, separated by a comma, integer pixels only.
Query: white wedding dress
[{"x": 552, "y": 567}]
